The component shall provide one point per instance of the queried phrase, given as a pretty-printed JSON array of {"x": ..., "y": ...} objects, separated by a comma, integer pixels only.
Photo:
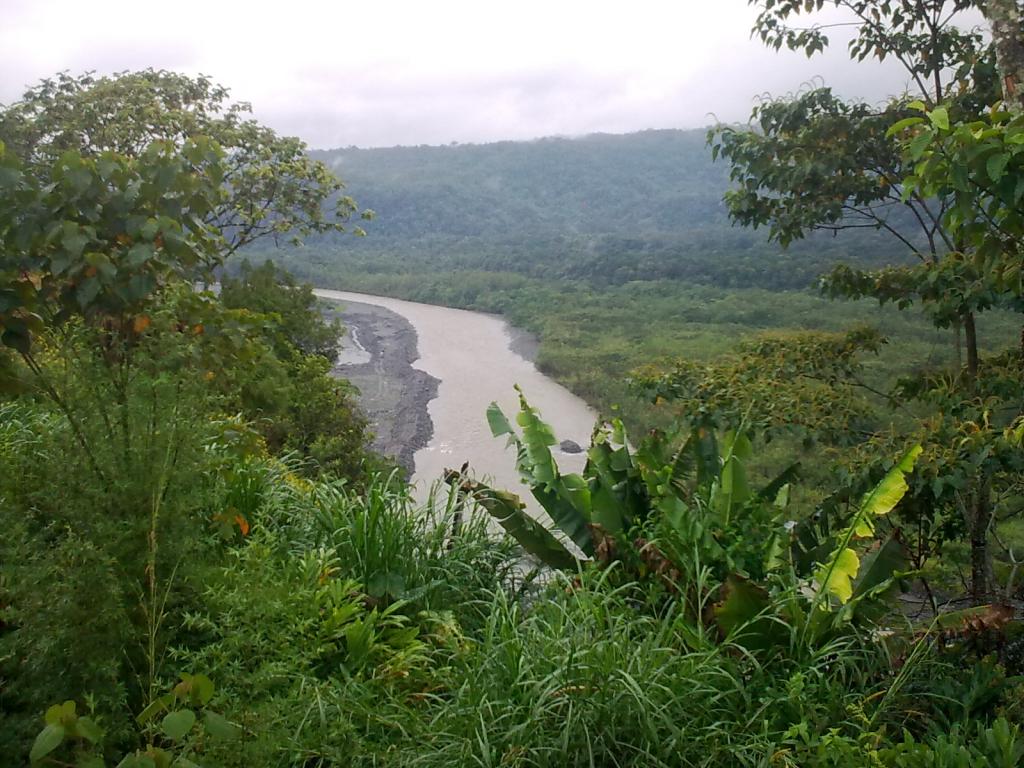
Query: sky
[{"x": 390, "y": 72}]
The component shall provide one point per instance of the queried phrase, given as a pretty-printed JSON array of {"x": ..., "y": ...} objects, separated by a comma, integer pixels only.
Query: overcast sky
[{"x": 386, "y": 72}]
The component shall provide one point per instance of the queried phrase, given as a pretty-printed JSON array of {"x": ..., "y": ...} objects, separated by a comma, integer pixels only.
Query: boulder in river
[{"x": 568, "y": 446}]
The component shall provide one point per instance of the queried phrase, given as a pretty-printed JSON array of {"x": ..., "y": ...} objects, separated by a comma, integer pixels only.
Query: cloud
[{"x": 408, "y": 72}]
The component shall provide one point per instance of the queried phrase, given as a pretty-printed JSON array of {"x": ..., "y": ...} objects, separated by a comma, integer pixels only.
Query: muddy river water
[{"x": 471, "y": 355}]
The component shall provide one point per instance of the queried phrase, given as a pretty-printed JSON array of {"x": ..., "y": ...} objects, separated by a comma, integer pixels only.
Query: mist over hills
[
  {"x": 606, "y": 208},
  {"x": 644, "y": 182}
]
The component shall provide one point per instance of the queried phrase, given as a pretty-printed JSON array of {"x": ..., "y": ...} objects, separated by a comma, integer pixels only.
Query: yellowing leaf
[
  {"x": 140, "y": 323},
  {"x": 60, "y": 713},
  {"x": 886, "y": 495},
  {"x": 837, "y": 577}
]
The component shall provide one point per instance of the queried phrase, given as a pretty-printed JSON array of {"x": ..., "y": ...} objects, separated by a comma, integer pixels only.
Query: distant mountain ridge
[
  {"x": 606, "y": 208},
  {"x": 643, "y": 182}
]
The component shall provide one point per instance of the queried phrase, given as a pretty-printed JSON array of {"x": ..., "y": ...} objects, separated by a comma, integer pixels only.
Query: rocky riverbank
[{"x": 376, "y": 355}]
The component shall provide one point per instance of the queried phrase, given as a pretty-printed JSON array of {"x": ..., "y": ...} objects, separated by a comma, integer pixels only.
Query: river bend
[{"x": 471, "y": 356}]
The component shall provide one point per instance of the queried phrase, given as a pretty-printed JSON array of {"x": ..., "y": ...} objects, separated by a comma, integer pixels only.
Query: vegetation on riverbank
[{"x": 593, "y": 338}]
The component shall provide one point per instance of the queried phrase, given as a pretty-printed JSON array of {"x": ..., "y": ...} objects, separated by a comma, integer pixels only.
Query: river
[{"x": 472, "y": 357}]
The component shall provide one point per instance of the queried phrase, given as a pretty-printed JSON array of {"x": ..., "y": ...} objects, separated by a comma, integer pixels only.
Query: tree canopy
[
  {"x": 933, "y": 168},
  {"x": 273, "y": 189}
]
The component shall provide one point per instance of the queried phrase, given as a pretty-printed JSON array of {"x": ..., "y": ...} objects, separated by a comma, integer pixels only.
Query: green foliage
[
  {"x": 624, "y": 492},
  {"x": 667, "y": 511},
  {"x": 313, "y": 665},
  {"x": 161, "y": 514},
  {"x": 299, "y": 407},
  {"x": 63, "y": 722},
  {"x": 799, "y": 384},
  {"x": 287, "y": 389},
  {"x": 274, "y": 187},
  {"x": 79, "y": 552},
  {"x": 65, "y": 728},
  {"x": 293, "y": 308},
  {"x": 97, "y": 238},
  {"x": 396, "y": 550},
  {"x": 978, "y": 164},
  {"x": 600, "y": 210},
  {"x": 994, "y": 747},
  {"x": 301, "y": 623},
  {"x": 117, "y": 444},
  {"x": 942, "y": 189},
  {"x": 920, "y": 36},
  {"x": 815, "y": 162}
]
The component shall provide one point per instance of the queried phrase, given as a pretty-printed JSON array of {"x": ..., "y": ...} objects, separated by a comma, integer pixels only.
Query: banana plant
[
  {"x": 622, "y": 491},
  {"x": 835, "y": 577},
  {"x": 694, "y": 494},
  {"x": 844, "y": 585}
]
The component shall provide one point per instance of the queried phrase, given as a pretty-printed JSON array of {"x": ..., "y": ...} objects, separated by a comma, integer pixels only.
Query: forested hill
[
  {"x": 656, "y": 182},
  {"x": 607, "y": 208}
]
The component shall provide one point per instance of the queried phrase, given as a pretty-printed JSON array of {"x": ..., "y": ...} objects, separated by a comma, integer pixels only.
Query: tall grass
[
  {"x": 359, "y": 628},
  {"x": 589, "y": 678}
]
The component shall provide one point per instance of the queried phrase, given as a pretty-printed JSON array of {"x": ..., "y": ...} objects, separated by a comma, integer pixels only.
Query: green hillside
[{"x": 608, "y": 209}]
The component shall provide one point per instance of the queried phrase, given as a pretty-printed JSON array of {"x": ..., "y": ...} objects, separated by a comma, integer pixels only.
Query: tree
[
  {"x": 120, "y": 202},
  {"x": 93, "y": 240},
  {"x": 116, "y": 206},
  {"x": 815, "y": 162},
  {"x": 113, "y": 188},
  {"x": 272, "y": 291},
  {"x": 978, "y": 165},
  {"x": 271, "y": 186},
  {"x": 1007, "y": 18}
]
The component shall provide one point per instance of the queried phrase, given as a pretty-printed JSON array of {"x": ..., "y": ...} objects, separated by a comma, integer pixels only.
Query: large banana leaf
[
  {"x": 700, "y": 456},
  {"x": 508, "y": 510},
  {"x": 618, "y": 494},
  {"x": 836, "y": 576},
  {"x": 731, "y": 489},
  {"x": 566, "y": 498}
]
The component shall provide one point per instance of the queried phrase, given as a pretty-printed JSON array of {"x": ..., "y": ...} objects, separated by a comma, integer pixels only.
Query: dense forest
[
  {"x": 603, "y": 209},
  {"x": 796, "y": 540}
]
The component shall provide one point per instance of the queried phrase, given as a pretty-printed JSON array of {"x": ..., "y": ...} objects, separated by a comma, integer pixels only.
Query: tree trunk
[
  {"x": 958, "y": 330},
  {"x": 979, "y": 511},
  {"x": 1006, "y": 18},
  {"x": 971, "y": 340},
  {"x": 980, "y": 518}
]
